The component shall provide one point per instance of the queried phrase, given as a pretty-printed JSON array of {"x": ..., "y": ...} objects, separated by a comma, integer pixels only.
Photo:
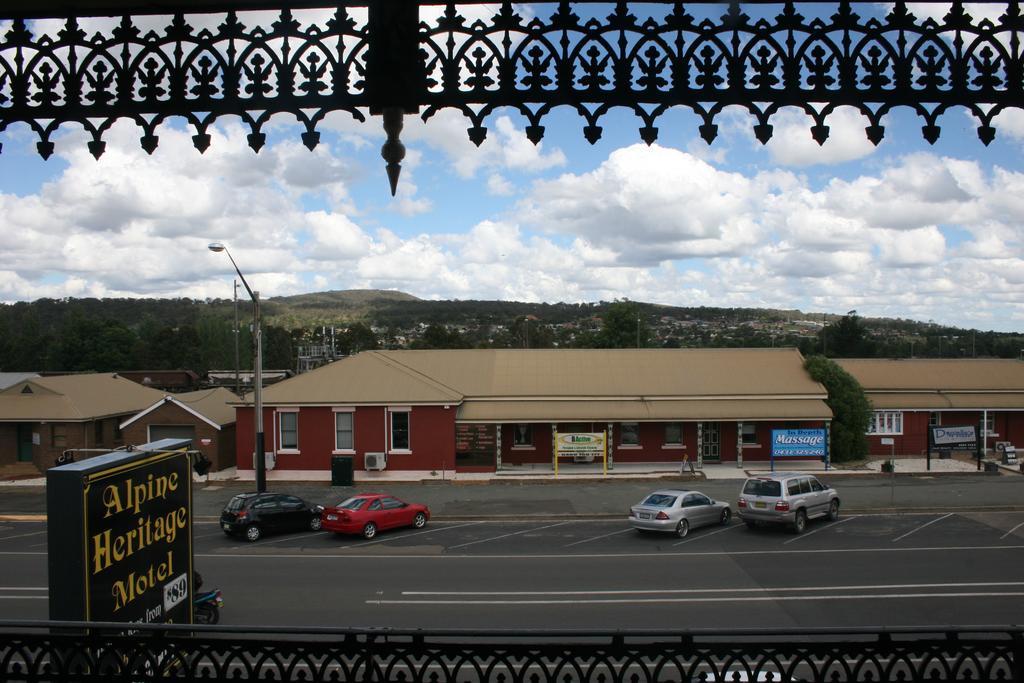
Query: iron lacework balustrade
[
  {"x": 207, "y": 59},
  {"x": 41, "y": 652}
]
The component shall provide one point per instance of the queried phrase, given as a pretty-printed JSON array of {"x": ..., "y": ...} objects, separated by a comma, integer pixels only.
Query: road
[{"x": 912, "y": 569}]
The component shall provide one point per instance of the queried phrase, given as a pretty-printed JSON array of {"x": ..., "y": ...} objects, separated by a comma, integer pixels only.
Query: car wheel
[
  {"x": 750, "y": 524},
  {"x": 420, "y": 520},
  {"x": 315, "y": 523},
  {"x": 833, "y": 510},
  {"x": 682, "y": 528},
  {"x": 800, "y": 522},
  {"x": 370, "y": 530},
  {"x": 253, "y": 533},
  {"x": 726, "y": 516}
]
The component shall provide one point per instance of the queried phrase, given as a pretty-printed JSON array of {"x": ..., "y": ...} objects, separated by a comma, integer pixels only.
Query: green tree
[
  {"x": 357, "y": 337},
  {"x": 438, "y": 336},
  {"x": 623, "y": 327},
  {"x": 278, "y": 353},
  {"x": 851, "y": 408},
  {"x": 847, "y": 338}
]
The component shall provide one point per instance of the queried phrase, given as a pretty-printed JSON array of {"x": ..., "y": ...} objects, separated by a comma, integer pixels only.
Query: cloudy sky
[{"x": 904, "y": 229}]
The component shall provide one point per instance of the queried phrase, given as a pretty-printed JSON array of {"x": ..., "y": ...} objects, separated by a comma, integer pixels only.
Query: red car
[{"x": 368, "y": 513}]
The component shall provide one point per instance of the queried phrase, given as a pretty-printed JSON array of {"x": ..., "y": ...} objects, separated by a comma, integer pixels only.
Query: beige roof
[
  {"x": 640, "y": 410},
  {"x": 940, "y": 384},
  {"x": 72, "y": 398},
  {"x": 215, "y": 406},
  {"x": 571, "y": 384}
]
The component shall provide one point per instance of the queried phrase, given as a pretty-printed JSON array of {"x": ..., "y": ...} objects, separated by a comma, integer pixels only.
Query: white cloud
[{"x": 792, "y": 144}]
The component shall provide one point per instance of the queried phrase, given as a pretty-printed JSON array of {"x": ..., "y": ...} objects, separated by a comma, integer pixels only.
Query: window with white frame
[
  {"x": 344, "y": 439},
  {"x": 629, "y": 434},
  {"x": 673, "y": 433},
  {"x": 400, "y": 430},
  {"x": 886, "y": 422},
  {"x": 522, "y": 435},
  {"x": 288, "y": 430},
  {"x": 988, "y": 423},
  {"x": 934, "y": 419},
  {"x": 749, "y": 436}
]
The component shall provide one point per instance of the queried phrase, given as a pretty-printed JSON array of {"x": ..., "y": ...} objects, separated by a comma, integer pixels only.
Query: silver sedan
[{"x": 677, "y": 511}]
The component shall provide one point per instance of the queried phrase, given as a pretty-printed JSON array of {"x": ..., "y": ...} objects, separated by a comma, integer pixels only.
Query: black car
[{"x": 254, "y": 514}]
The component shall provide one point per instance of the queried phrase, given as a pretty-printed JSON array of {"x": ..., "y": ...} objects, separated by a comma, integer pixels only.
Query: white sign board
[
  {"x": 888, "y": 441},
  {"x": 588, "y": 445}
]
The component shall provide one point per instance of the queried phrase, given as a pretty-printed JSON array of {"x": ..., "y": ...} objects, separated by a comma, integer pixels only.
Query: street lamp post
[{"x": 257, "y": 379}]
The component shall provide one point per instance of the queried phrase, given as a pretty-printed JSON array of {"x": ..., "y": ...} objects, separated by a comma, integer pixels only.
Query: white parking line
[
  {"x": 432, "y": 530},
  {"x": 821, "y": 528},
  {"x": 1011, "y": 531},
  {"x": 514, "y": 533},
  {"x": 937, "y": 519},
  {"x": 595, "y": 538},
  {"x": 33, "y": 533},
  {"x": 720, "y": 531}
]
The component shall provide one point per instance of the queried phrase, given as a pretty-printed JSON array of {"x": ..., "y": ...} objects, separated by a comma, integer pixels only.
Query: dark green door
[{"x": 24, "y": 442}]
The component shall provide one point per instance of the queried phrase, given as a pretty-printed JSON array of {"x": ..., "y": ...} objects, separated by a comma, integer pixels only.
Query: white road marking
[
  {"x": 1011, "y": 531},
  {"x": 33, "y": 533},
  {"x": 742, "y": 598},
  {"x": 691, "y": 591},
  {"x": 821, "y": 528},
  {"x": 591, "y": 556},
  {"x": 595, "y": 538},
  {"x": 720, "y": 531},
  {"x": 514, "y": 533},
  {"x": 937, "y": 519}
]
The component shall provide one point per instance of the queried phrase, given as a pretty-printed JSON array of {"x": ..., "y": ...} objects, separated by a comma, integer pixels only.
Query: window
[
  {"x": 793, "y": 487},
  {"x": 886, "y": 422},
  {"x": 749, "y": 435},
  {"x": 522, "y": 435},
  {"x": 673, "y": 433},
  {"x": 816, "y": 485},
  {"x": 400, "y": 431},
  {"x": 117, "y": 431},
  {"x": 59, "y": 436},
  {"x": 392, "y": 504},
  {"x": 629, "y": 434},
  {"x": 97, "y": 429},
  {"x": 988, "y": 423},
  {"x": 289, "y": 429},
  {"x": 934, "y": 419},
  {"x": 343, "y": 438}
]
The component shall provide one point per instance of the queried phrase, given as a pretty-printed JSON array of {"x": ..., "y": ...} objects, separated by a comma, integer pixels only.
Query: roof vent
[{"x": 26, "y": 389}]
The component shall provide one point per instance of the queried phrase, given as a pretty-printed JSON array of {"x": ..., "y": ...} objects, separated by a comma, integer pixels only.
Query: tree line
[{"x": 107, "y": 335}]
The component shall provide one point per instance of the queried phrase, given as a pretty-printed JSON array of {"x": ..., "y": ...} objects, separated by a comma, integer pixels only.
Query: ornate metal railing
[
  {"x": 43, "y": 652},
  {"x": 396, "y": 57}
]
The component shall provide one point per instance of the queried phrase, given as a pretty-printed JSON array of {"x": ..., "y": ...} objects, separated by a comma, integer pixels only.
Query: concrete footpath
[{"x": 949, "y": 485}]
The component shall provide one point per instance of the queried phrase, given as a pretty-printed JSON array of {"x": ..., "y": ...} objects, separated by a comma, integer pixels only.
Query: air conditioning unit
[{"x": 375, "y": 461}]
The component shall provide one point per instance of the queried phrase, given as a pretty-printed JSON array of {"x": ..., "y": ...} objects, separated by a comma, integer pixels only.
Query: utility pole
[{"x": 238, "y": 376}]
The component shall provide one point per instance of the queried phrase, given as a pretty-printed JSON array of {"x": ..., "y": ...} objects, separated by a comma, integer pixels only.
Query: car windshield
[
  {"x": 352, "y": 503},
  {"x": 235, "y": 504},
  {"x": 762, "y": 487},
  {"x": 659, "y": 500}
]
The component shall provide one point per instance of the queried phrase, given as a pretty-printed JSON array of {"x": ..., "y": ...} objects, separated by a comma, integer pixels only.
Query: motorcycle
[{"x": 206, "y": 607}]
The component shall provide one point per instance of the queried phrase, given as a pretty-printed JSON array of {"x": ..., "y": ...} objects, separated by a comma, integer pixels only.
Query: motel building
[
  {"x": 438, "y": 412},
  {"x": 911, "y": 395}
]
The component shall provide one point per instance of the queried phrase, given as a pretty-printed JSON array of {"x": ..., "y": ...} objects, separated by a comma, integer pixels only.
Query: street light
[{"x": 257, "y": 380}]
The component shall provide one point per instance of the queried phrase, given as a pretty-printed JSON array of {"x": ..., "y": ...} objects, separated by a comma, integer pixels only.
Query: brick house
[
  {"x": 207, "y": 417},
  {"x": 41, "y": 417},
  {"x": 491, "y": 409},
  {"x": 909, "y": 395}
]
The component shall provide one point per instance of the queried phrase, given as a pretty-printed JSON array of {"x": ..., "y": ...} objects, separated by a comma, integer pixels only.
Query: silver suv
[{"x": 786, "y": 498}]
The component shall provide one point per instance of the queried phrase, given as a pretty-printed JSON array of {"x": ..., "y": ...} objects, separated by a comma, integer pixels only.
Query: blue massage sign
[
  {"x": 120, "y": 536},
  {"x": 798, "y": 443}
]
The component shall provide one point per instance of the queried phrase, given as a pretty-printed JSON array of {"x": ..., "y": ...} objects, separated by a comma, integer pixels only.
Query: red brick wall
[{"x": 431, "y": 438}]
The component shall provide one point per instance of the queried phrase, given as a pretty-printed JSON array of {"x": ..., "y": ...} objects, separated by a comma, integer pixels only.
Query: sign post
[
  {"x": 960, "y": 438},
  {"x": 793, "y": 443},
  {"x": 120, "y": 537}
]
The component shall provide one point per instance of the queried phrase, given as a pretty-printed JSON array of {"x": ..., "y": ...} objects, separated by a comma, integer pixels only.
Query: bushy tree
[
  {"x": 847, "y": 338},
  {"x": 851, "y": 408},
  {"x": 623, "y": 327}
]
